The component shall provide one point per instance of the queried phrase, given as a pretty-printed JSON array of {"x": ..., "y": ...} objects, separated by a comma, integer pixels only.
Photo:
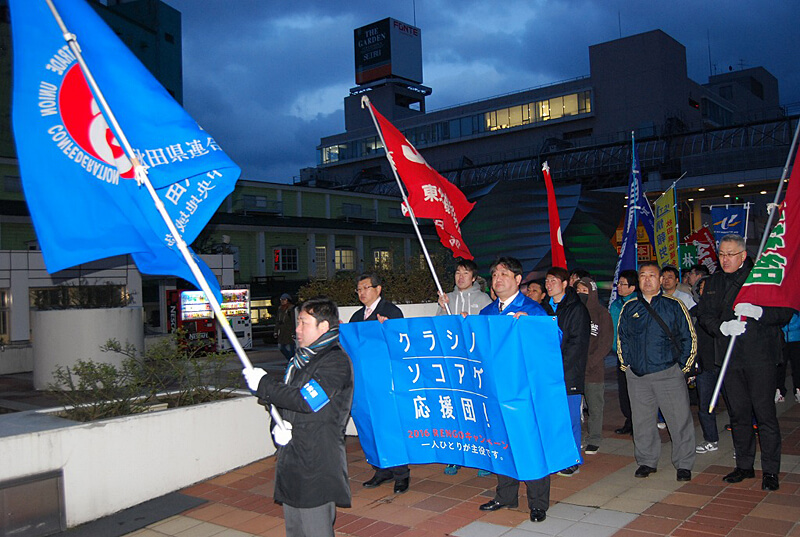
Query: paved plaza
[{"x": 603, "y": 499}]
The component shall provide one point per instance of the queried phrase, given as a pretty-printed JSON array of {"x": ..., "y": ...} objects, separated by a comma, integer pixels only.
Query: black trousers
[
  {"x": 751, "y": 390},
  {"x": 624, "y": 399},
  {"x": 538, "y": 491},
  {"x": 393, "y": 472}
]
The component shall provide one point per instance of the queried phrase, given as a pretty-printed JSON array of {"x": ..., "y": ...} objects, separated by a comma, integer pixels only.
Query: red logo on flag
[{"x": 86, "y": 125}]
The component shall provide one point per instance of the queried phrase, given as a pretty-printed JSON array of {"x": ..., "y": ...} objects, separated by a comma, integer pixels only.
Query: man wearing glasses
[
  {"x": 376, "y": 308},
  {"x": 750, "y": 378}
]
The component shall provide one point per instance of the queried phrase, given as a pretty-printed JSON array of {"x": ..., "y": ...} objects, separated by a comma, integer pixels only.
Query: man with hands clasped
[
  {"x": 314, "y": 398},
  {"x": 750, "y": 379}
]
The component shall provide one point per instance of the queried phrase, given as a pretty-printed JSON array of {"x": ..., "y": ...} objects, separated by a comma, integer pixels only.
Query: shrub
[
  {"x": 401, "y": 285},
  {"x": 187, "y": 375}
]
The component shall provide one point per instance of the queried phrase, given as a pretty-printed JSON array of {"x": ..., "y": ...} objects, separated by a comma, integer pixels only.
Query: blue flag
[
  {"x": 482, "y": 391},
  {"x": 639, "y": 210},
  {"x": 728, "y": 219},
  {"x": 79, "y": 185}
]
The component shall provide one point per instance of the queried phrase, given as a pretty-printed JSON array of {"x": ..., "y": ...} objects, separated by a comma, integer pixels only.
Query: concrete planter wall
[
  {"x": 114, "y": 464},
  {"x": 62, "y": 337}
]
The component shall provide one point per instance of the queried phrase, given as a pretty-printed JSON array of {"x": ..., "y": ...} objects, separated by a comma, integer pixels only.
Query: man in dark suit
[
  {"x": 375, "y": 307},
  {"x": 379, "y": 309}
]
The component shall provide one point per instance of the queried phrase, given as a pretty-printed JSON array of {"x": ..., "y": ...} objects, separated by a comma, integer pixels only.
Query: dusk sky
[{"x": 268, "y": 79}]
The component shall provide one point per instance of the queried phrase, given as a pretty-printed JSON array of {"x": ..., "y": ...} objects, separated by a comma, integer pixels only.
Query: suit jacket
[{"x": 385, "y": 308}]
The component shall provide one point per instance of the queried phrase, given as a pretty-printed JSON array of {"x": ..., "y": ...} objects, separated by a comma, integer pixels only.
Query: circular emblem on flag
[{"x": 86, "y": 125}]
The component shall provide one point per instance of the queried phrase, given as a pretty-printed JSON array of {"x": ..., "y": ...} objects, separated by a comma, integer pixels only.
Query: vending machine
[
  {"x": 236, "y": 307},
  {"x": 190, "y": 311}
]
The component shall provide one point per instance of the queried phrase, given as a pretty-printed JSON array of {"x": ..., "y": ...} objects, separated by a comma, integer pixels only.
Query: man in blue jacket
[
  {"x": 506, "y": 278},
  {"x": 656, "y": 344}
]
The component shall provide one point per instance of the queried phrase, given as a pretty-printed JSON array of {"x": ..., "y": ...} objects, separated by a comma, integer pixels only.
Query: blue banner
[
  {"x": 639, "y": 211},
  {"x": 728, "y": 219},
  {"x": 482, "y": 391},
  {"x": 79, "y": 185}
]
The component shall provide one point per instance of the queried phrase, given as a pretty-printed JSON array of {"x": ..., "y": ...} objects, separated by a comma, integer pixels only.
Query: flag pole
[
  {"x": 143, "y": 179},
  {"x": 364, "y": 102},
  {"x": 764, "y": 237}
]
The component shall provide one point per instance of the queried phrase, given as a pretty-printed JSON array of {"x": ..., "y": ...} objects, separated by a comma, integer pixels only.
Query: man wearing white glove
[
  {"x": 314, "y": 399},
  {"x": 750, "y": 379}
]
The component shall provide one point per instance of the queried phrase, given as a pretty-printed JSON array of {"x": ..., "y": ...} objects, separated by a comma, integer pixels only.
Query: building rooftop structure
[{"x": 638, "y": 83}]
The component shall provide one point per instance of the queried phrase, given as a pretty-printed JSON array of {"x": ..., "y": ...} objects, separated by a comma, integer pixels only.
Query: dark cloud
[{"x": 267, "y": 79}]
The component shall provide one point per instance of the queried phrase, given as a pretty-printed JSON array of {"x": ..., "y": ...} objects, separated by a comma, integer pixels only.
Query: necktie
[
  {"x": 501, "y": 307},
  {"x": 367, "y": 312}
]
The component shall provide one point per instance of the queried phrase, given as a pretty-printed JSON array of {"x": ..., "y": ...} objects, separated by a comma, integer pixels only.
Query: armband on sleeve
[{"x": 314, "y": 395}]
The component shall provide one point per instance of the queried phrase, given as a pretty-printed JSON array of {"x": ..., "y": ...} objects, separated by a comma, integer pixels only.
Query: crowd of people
[{"x": 664, "y": 333}]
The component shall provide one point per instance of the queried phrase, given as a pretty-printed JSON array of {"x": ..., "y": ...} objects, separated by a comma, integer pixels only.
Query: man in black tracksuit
[
  {"x": 750, "y": 379},
  {"x": 656, "y": 345}
]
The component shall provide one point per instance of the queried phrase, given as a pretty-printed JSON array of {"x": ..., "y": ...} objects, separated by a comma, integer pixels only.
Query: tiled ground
[{"x": 604, "y": 499}]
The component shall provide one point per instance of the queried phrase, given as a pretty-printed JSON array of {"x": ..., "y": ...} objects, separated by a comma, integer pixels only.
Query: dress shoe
[
  {"x": 376, "y": 481},
  {"x": 738, "y": 475},
  {"x": 401, "y": 485},
  {"x": 645, "y": 471},
  {"x": 494, "y": 505},
  {"x": 625, "y": 429},
  {"x": 538, "y": 515},
  {"x": 684, "y": 474},
  {"x": 769, "y": 482}
]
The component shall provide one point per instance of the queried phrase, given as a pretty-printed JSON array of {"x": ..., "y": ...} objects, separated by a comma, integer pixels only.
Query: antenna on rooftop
[
  {"x": 414, "y": 4},
  {"x": 619, "y": 23},
  {"x": 708, "y": 39}
]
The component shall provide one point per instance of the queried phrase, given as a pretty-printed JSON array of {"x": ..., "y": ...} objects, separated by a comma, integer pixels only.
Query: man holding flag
[{"x": 750, "y": 379}]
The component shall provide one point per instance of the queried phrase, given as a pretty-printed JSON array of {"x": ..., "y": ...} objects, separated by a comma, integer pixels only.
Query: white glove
[
  {"x": 733, "y": 327},
  {"x": 282, "y": 436},
  {"x": 253, "y": 376},
  {"x": 748, "y": 310}
]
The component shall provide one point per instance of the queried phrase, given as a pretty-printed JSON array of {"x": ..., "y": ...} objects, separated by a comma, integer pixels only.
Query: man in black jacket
[
  {"x": 576, "y": 328},
  {"x": 314, "y": 398},
  {"x": 656, "y": 344},
  {"x": 377, "y": 308},
  {"x": 750, "y": 378}
]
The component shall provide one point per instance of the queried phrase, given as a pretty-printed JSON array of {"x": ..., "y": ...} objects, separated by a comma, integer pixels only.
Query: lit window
[
  {"x": 382, "y": 259},
  {"x": 284, "y": 259},
  {"x": 571, "y": 104},
  {"x": 344, "y": 259}
]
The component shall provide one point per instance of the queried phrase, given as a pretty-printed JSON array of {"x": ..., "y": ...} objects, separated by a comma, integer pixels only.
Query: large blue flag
[
  {"x": 639, "y": 211},
  {"x": 80, "y": 187},
  {"x": 482, "y": 391}
]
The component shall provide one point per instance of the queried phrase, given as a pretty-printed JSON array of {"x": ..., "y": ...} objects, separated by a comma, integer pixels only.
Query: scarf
[{"x": 304, "y": 354}]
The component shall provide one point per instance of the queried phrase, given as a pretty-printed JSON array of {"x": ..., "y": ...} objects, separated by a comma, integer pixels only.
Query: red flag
[
  {"x": 429, "y": 194},
  {"x": 557, "y": 254},
  {"x": 775, "y": 278},
  {"x": 706, "y": 251}
]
